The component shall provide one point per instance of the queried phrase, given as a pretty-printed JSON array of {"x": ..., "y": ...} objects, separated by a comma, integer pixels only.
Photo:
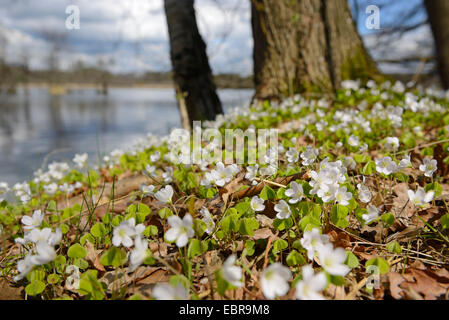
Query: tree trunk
[
  {"x": 305, "y": 45},
  {"x": 195, "y": 88},
  {"x": 438, "y": 12}
]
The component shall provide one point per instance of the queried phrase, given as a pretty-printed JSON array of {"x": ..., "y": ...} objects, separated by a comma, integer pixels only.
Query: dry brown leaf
[
  {"x": 418, "y": 284},
  {"x": 402, "y": 208},
  {"x": 93, "y": 256},
  {"x": 146, "y": 285},
  {"x": 264, "y": 221},
  {"x": 9, "y": 292},
  {"x": 425, "y": 285},
  {"x": 263, "y": 233},
  {"x": 115, "y": 280},
  {"x": 395, "y": 279},
  {"x": 159, "y": 249}
]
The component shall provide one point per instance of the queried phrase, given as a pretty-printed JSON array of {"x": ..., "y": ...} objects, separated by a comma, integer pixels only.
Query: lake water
[{"x": 37, "y": 128}]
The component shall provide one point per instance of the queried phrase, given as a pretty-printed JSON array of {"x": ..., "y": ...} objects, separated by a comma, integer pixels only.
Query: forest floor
[{"x": 351, "y": 204}]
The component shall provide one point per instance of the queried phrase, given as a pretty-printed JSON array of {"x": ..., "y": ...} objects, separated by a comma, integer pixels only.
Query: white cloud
[
  {"x": 417, "y": 43},
  {"x": 132, "y": 32}
]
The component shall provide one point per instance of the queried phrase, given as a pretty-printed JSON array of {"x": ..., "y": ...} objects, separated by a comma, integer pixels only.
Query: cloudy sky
[{"x": 133, "y": 33}]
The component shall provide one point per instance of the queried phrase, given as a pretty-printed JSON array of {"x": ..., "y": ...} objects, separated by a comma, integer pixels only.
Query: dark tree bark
[
  {"x": 195, "y": 88},
  {"x": 438, "y": 12},
  {"x": 306, "y": 45}
]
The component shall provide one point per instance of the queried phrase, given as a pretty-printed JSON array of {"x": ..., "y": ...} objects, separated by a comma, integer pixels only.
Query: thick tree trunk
[
  {"x": 195, "y": 88},
  {"x": 438, "y": 11},
  {"x": 305, "y": 45}
]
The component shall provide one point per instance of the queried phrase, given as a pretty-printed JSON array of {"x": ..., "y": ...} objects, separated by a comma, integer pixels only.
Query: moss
[{"x": 360, "y": 66}]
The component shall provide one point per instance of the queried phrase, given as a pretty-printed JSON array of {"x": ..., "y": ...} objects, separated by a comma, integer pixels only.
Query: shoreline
[{"x": 81, "y": 86}]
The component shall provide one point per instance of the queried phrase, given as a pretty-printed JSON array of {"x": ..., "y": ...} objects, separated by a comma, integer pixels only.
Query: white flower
[
  {"x": 283, "y": 210},
  {"x": 208, "y": 180},
  {"x": 274, "y": 280},
  {"x": 36, "y": 235},
  {"x": 391, "y": 143},
  {"x": 80, "y": 160},
  {"x": 45, "y": 253},
  {"x": 124, "y": 232},
  {"x": 332, "y": 260},
  {"x": 222, "y": 175},
  {"x": 373, "y": 213},
  {"x": 312, "y": 240},
  {"x": 417, "y": 129},
  {"x": 165, "y": 194},
  {"x": 167, "y": 175},
  {"x": 386, "y": 166},
  {"x": 57, "y": 170},
  {"x": 22, "y": 191},
  {"x": 327, "y": 192},
  {"x": 295, "y": 192},
  {"x": 257, "y": 204},
  {"x": 311, "y": 284},
  {"x": 231, "y": 272},
  {"x": 364, "y": 193},
  {"x": 4, "y": 187},
  {"x": 165, "y": 291},
  {"x": 420, "y": 198},
  {"x": 139, "y": 253},
  {"x": 208, "y": 220},
  {"x": 251, "y": 172},
  {"x": 147, "y": 190},
  {"x": 155, "y": 156},
  {"x": 292, "y": 155},
  {"x": 363, "y": 148},
  {"x": 405, "y": 162},
  {"x": 309, "y": 156},
  {"x": 24, "y": 267},
  {"x": 349, "y": 163},
  {"x": 34, "y": 221},
  {"x": 353, "y": 141},
  {"x": 150, "y": 171},
  {"x": 66, "y": 188},
  {"x": 181, "y": 230},
  {"x": 342, "y": 196},
  {"x": 428, "y": 167},
  {"x": 50, "y": 189}
]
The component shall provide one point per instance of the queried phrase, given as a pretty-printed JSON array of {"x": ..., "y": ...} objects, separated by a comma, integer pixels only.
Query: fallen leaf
[{"x": 263, "y": 233}]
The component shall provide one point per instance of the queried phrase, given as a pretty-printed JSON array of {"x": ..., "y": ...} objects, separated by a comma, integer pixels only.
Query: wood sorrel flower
[
  {"x": 125, "y": 231},
  {"x": 283, "y": 210},
  {"x": 165, "y": 194},
  {"x": 181, "y": 230},
  {"x": 373, "y": 213},
  {"x": 429, "y": 166},
  {"x": 139, "y": 253},
  {"x": 33, "y": 221},
  {"x": 312, "y": 240},
  {"x": 420, "y": 197},
  {"x": 311, "y": 284},
  {"x": 332, "y": 260},
  {"x": 257, "y": 204},
  {"x": 295, "y": 192},
  {"x": 274, "y": 280},
  {"x": 231, "y": 272}
]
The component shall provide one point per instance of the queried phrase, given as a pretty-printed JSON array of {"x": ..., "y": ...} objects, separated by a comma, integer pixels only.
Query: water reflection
[{"x": 37, "y": 127}]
